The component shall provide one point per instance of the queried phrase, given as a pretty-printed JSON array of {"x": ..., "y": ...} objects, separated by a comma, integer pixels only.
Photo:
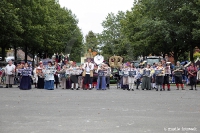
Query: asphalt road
[{"x": 92, "y": 111}]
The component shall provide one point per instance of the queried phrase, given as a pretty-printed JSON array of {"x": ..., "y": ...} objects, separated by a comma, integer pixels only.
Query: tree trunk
[
  {"x": 33, "y": 63},
  {"x": 191, "y": 54},
  {"x": 26, "y": 53},
  {"x": 3, "y": 51},
  {"x": 15, "y": 52},
  {"x": 175, "y": 57}
]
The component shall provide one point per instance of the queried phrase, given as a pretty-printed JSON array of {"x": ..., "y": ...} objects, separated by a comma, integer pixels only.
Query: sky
[{"x": 91, "y": 13}]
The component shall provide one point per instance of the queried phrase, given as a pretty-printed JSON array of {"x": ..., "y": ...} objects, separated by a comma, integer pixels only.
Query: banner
[{"x": 25, "y": 72}]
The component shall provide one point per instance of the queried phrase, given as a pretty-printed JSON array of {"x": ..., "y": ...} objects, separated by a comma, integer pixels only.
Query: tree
[
  {"x": 91, "y": 41},
  {"x": 112, "y": 40},
  {"x": 155, "y": 27},
  {"x": 10, "y": 26},
  {"x": 47, "y": 28}
]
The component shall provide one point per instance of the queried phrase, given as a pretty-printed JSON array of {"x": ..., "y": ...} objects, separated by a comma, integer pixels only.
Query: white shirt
[
  {"x": 87, "y": 68},
  {"x": 9, "y": 69}
]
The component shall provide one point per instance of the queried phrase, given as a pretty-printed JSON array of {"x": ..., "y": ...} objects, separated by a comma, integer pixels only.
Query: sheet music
[
  {"x": 25, "y": 72},
  {"x": 146, "y": 72},
  {"x": 132, "y": 73}
]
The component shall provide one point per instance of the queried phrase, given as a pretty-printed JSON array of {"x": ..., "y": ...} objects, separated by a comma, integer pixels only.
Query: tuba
[{"x": 98, "y": 59}]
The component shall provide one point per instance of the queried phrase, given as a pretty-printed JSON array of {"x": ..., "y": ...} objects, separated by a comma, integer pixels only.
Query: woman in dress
[
  {"x": 192, "y": 73},
  {"x": 39, "y": 71},
  {"x": 25, "y": 83},
  {"x": 178, "y": 71},
  {"x": 49, "y": 76},
  {"x": 146, "y": 79},
  {"x": 101, "y": 81}
]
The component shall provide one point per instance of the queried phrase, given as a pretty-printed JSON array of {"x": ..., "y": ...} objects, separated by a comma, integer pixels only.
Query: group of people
[
  {"x": 90, "y": 75},
  {"x": 157, "y": 76},
  {"x": 66, "y": 75}
]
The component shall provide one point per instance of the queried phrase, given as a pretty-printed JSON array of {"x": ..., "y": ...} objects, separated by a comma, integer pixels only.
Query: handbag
[
  {"x": 91, "y": 73},
  {"x": 83, "y": 74}
]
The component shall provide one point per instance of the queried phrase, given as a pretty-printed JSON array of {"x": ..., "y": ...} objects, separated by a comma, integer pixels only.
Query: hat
[{"x": 178, "y": 62}]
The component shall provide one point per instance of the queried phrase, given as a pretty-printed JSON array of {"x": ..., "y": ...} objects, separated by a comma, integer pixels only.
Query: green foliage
[
  {"x": 40, "y": 27},
  {"x": 91, "y": 41},
  {"x": 196, "y": 55},
  {"x": 112, "y": 40},
  {"x": 153, "y": 27},
  {"x": 9, "y": 24}
]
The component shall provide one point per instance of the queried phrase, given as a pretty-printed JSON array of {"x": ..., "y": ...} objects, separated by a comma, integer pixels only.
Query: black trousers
[
  {"x": 87, "y": 79},
  {"x": 166, "y": 79},
  {"x": 178, "y": 79}
]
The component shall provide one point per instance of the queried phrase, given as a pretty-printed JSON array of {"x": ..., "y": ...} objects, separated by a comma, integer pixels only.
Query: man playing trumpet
[{"x": 88, "y": 68}]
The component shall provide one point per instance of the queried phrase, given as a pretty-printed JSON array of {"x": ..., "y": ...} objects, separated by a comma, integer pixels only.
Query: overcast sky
[{"x": 91, "y": 13}]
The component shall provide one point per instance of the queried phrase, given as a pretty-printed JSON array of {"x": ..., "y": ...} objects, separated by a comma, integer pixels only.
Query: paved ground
[{"x": 110, "y": 111}]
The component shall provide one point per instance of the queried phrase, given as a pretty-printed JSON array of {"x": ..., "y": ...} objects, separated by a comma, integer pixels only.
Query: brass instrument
[{"x": 115, "y": 61}]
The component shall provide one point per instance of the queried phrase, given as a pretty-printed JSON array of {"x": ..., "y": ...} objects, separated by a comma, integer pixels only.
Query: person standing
[
  {"x": 25, "y": 83},
  {"x": 107, "y": 74},
  {"x": 192, "y": 73},
  {"x": 88, "y": 68},
  {"x": 57, "y": 67},
  {"x": 80, "y": 78},
  {"x": 131, "y": 77},
  {"x": 49, "y": 76},
  {"x": 138, "y": 78},
  {"x": 63, "y": 76},
  {"x": 101, "y": 81},
  {"x": 146, "y": 79},
  {"x": 35, "y": 76},
  {"x": 39, "y": 72},
  {"x": 10, "y": 74},
  {"x": 125, "y": 76},
  {"x": 74, "y": 70},
  {"x": 166, "y": 77},
  {"x": 198, "y": 73},
  {"x": 159, "y": 72},
  {"x": 178, "y": 70}
]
